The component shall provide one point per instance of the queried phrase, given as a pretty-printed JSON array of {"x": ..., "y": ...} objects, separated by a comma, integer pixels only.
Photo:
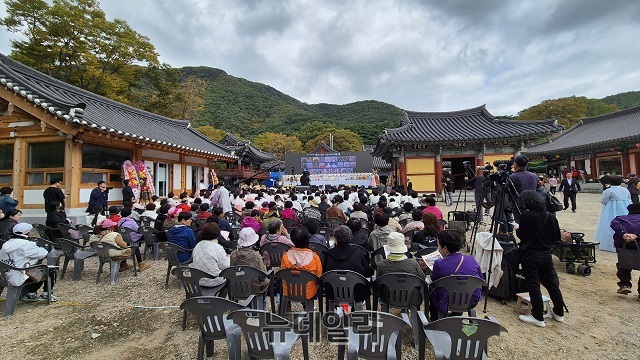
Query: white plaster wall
[
  {"x": 206, "y": 176},
  {"x": 177, "y": 176},
  {"x": 189, "y": 177}
]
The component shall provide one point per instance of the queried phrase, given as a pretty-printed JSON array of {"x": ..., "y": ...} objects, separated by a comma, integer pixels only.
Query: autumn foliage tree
[
  {"x": 211, "y": 132},
  {"x": 568, "y": 110},
  {"x": 277, "y": 144},
  {"x": 343, "y": 140}
]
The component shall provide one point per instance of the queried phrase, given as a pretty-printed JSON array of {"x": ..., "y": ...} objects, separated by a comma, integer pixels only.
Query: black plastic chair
[
  {"x": 289, "y": 224},
  {"x": 42, "y": 231},
  {"x": 126, "y": 232},
  {"x": 239, "y": 284},
  {"x": 426, "y": 251},
  {"x": 151, "y": 238},
  {"x": 274, "y": 251},
  {"x": 146, "y": 221},
  {"x": 375, "y": 335},
  {"x": 211, "y": 312},
  {"x": 319, "y": 249},
  {"x": 333, "y": 223},
  {"x": 295, "y": 282},
  {"x": 267, "y": 335},
  {"x": 404, "y": 222},
  {"x": 326, "y": 232},
  {"x": 364, "y": 252},
  {"x": 377, "y": 255},
  {"x": 14, "y": 293},
  {"x": 55, "y": 252},
  {"x": 460, "y": 337},
  {"x": 400, "y": 287},
  {"x": 102, "y": 249},
  {"x": 172, "y": 250},
  {"x": 365, "y": 224},
  {"x": 343, "y": 284},
  {"x": 77, "y": 253},
  {"x": 65, "y": 230},
  {"x": 190, "y": 281},
  {"x": 85, "y": 231},
  {"x": 460, "y": 289},
  {"x": 232, "y": 218}
]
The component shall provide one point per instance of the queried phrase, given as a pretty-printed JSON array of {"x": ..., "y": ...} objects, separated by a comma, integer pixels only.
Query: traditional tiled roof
[
  {"x": 471, "y": 125},
  {"x": 86, "y": 109},
  {"x": 598, "y": 132},
  {"x": 245, "y": 148},
  {"x": 323, "y": 148},
  {"x": 378, "y": 162}
]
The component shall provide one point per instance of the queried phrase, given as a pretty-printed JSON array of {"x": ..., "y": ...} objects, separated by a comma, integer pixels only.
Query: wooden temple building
[
  {"x": 252, "y": 163},
  {"x": 50, "y": 129},
  {"x": 600, "y": 144},
  {"x": 425, "y": 141}
]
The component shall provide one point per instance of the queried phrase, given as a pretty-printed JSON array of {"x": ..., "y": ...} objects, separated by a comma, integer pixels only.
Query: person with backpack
[{"x": 632, "y": 186}]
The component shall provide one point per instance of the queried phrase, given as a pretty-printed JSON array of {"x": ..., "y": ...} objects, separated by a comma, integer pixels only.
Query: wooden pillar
[
  {"x": 626, "y": 164},
  {"x": 183, "y": 174},
  {"x": 19, "y": 146}
]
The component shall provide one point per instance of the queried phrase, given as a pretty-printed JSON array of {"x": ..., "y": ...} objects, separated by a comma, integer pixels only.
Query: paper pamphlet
[{"x": 431, "y": 258}]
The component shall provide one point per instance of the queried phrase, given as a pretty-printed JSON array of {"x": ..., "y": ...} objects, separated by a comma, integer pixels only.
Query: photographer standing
[
  {"x": 448, "y": 188},
  {"x": 538, "y": 232},
  {"x": 477, "y": 182},
  {"x": 521, "y": 178}
]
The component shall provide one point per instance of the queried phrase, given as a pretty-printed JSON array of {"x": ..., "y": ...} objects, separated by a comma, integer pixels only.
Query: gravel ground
[{"x": 600, "y": 325}]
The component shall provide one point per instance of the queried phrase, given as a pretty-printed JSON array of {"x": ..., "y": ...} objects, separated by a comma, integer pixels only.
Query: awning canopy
[{"x": 544, "y": 165}]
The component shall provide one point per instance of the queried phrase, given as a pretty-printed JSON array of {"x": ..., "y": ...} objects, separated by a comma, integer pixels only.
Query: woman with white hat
[
  {"x": 20, "y": 252},
  {"x": 398, "y": 262},
  {"x": 246, "y": 255}
]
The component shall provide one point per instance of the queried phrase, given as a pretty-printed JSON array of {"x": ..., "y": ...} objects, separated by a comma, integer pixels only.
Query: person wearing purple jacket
[
  {"x": 626, "y": 229},
  {"x": 127, "y": 222},
  {"x": 452, "y": 263}
]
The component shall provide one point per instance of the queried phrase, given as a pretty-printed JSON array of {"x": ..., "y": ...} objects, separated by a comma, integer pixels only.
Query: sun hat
[
  {"x": 22, "y": 228},
  {"x": 396, "y": 244},
  {"x": 106, "y": 224},
  {"x": 314, "y": 202},
  {"x": 247, "y": 237}
]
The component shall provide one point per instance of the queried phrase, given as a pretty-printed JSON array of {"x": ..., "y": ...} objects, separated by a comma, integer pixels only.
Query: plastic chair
[
  {"x": 85, "y": 231},
  {"x": 150, "y": 236},
  {"x": 403, "y": 222},
  {"x": 211, "y": 312},
  {"x": 66, "y": 229},
  {"x": 295, "y": 281},
  {"x": 14, "y": 293},
  {"x": 460, "y": 337},
  {"x": 126, "y": 236},
  {"x": 377, "y": 255},
  {"x": 375, "y": 335},
  {"x": 190, "y": 281},
  {"x": 460, "y": 289},
  {"x": 364, "y": 251},
  {"x": 343, "y": 284},
  {"x": 55, "y": 253},
  {"x": 326, "y": 232},
  {"x": 42, "y": 231},
  {"x": 333, "y": 223},
  {"x": 268, "y": 336},
  {"x": 146, "y": 221},
  {"x": 400, "y": 286},
  {"x": 365, "y": 224},
  {"x": 319, "y": 249},
  {"x": 239, "y": 283},
  {"x": 274, "y": 251},
  {"x": 289, "y": 224},
  {"x": 172, "y": 250},
  {"x": 232, "y": 218},
  {"x": 77, "y": 253},
  {"x": 102, "y": 249}
]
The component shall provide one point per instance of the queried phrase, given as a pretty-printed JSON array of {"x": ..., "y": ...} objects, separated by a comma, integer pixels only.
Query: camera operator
[
  {"x": 477, "y": 182},
  {"x": 521, "y": 178},
  {"x": 448, "y": 188}
]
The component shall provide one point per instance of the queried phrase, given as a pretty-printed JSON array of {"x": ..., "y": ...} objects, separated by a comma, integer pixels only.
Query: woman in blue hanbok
[{"x": 614, "y": 202}]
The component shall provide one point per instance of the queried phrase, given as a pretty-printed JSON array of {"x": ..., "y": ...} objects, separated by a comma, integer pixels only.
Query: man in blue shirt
[{"x": 521, "y": 178}]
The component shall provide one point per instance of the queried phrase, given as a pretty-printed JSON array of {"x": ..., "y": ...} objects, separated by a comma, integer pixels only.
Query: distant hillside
[
  {"x": 624, "y": 100},
  {"x": 248, "y": 109}
]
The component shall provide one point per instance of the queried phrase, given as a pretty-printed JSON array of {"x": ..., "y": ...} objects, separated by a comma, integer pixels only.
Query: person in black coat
[
  {"x": 538, "y": 231},
  {"x": 569, "y": 187},
  {"x": 58, "y": 216},
  {"x": 53, "y": 194},
  {"x": 346, "y": 257},
  {"x": 359, "y": 237},
  {"x": 127, "y": 192}
]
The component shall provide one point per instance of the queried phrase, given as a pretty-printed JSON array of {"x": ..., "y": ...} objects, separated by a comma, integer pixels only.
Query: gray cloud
[{"x": 419, "y": 55}]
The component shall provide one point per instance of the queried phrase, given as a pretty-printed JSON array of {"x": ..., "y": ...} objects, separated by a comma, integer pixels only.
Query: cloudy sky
[{"x": 438, "y": 55}]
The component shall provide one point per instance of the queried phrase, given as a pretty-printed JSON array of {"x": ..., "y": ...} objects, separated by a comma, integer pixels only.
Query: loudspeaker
[{"x": 301, "y": 188}]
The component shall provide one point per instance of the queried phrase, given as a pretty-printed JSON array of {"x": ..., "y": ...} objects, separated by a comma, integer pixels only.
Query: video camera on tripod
[{"x": 504, "y": 168}]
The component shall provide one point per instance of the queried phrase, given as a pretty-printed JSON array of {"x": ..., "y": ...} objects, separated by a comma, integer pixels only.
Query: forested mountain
[
  {"x": 247, "y": 109},
  {"x": 624, "y": 100}
]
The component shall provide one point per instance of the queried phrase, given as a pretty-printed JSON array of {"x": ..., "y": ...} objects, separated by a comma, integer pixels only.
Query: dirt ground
[{"x": 600, "y": 325}]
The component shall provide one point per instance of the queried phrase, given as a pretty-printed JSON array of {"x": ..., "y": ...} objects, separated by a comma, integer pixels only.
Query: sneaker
[
  {"x": 143, "y": 266},
  {"x": 624, "y": 290},
  {"x": 557, "y": 318},
  {"x": 31, "y": 297},
  {"x": 529, "y": 319},
  {"x": 43, "y": 297}
]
